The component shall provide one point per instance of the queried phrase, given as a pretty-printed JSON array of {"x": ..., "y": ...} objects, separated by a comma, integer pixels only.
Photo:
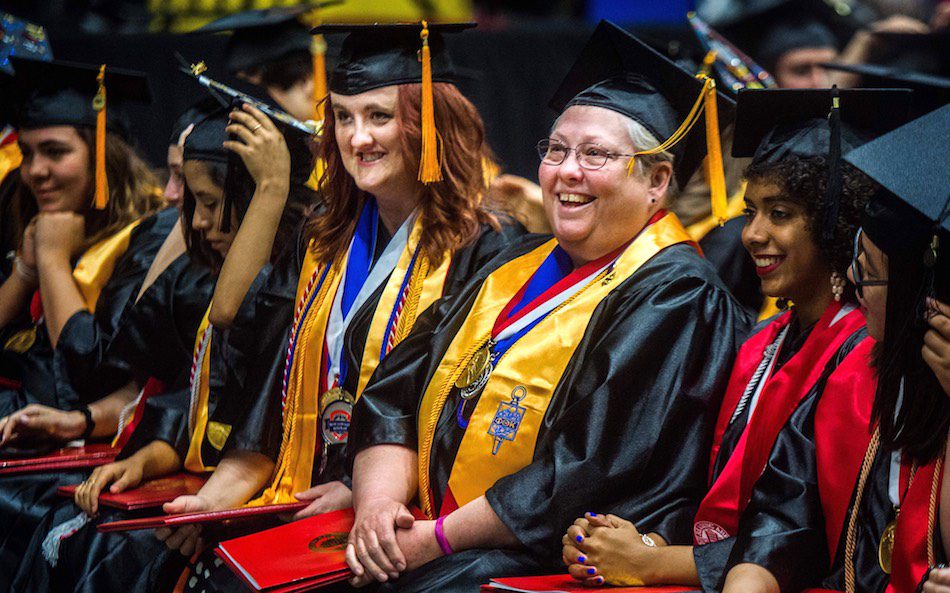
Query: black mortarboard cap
[
  {"x": 61, "y": 93},
  {"x": 262, "y": 36},
  {"x": 909, "y": 164},
  {"x": 374, "y": 56},
  {"x": 22, "y": 39},
  {"x": 774, "y": 124},
  {"x": 768, "y": 29},
  {"x": 206, "y": 140},
  {"x": 930, "y": 92},
  {"x": 617, "y": 71}
]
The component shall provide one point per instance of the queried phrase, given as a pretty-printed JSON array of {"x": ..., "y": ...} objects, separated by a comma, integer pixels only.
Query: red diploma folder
[
  {"x": 151, "y": 494},
  {"x": 66, "y": 458},
  {"x": 562, "y": 583},
  {"x": 229, "y": 515},
  {"x": 299, "y": 556}
]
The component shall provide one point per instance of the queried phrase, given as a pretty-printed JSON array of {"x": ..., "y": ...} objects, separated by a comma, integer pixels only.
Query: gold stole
[
  {"x": 294, "y": 468},
  {"x": 535, "y": 363},
  {"x": 198, "y": 411},
  {"x": 96, "y": 265},
  {"x": 425, "y": 287},
  {"x": 10, "y": 158}
]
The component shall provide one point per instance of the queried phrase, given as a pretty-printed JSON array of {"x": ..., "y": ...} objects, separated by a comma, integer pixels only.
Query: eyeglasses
[
  {"x": 857, "y": 270},
  {"x": 589, "y": 156}
]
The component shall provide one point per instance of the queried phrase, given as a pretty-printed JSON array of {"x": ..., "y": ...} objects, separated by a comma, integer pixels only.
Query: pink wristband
[{"x": 440, "y": 537}]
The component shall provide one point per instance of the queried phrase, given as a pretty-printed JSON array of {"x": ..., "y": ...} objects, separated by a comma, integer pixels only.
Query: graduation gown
[
  {"x": 152, "y": 343},
  {"x": 627, "y": 430},
  {"x": 73, "y": 374},
  {"x": 806, "y": 358},
  {"x": 802, "y": 539},
  {"x": 261, "y": 336}
]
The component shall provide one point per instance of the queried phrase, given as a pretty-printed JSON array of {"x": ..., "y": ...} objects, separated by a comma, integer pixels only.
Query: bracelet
[
  {"x": 24, "y": 271},
  {"x": 647, "y": 540},
  {"x": 90, "y": 423},
  {"x": 440, "y": 537}
]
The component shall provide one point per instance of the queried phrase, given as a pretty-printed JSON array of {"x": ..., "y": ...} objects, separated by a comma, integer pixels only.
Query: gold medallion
[
  {"x": 21, "y": 341},
  {"x": 477, "y": 366},
  {"x": 218, "y": 434},
  {"x": 885, "y": 550}
]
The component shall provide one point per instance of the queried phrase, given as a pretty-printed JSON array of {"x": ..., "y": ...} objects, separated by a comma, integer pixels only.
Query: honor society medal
[
  {"x": 337, "y": 410},
  {"x": 885, "y": 549},
  {"x": 476, "y": 373}
]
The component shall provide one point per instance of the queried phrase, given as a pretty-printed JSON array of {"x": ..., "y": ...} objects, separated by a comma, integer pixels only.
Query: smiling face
[
  {"x": 56, "y": 168},
  {"x": 209, "y": 199},
  {"x": 777, "y": 236},
  {"x": 873, "y": 264},
  {"x": 367, "y": 131},
  {"x": 595, "y": 212}
]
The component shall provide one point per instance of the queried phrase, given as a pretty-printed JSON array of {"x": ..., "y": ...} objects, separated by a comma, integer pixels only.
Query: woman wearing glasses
[
  {"x": 799, "y": 235},
  {"x": 573, "y": 373},
  {"x": 865, "y": 456}
]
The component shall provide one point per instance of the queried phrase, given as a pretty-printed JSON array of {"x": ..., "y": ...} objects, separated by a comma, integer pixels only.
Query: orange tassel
[
  {"x": 99, "y": 104},
  {"x": 716, "y": 174},
  {"x": 318, "y": 48},
  {"x": 430, "y": 165}
]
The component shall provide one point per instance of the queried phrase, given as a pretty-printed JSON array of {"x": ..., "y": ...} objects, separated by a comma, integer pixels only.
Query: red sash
[
  {"x": 152, "y": 387},
  {"x": 718, "y": 515},
  {"x": 842, "y": 435},
  {"x": 914, "y": 531}
]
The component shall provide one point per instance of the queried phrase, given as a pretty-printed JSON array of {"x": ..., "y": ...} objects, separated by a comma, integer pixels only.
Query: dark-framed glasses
[
  {"x": 857, "y": 270},
  {"x": 589, "y": 156}
]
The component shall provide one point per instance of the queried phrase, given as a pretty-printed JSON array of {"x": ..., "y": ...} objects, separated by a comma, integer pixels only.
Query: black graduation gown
[
  {"x": 256, "y": 414},
  {"x": 73, "y": 373},
  {"x": 627, "y": 432},
  {"x": 786, "y": 534},
  {"x": 156, "y": 340},
  {"x": 723, "y": 247}
]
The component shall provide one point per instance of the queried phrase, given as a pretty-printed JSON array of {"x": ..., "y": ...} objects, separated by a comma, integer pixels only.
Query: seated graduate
[
  {"x": 799, "y": 231},
  {"x": 85, "y": 255},
  {"x": 398, "y": 228},
  {"x": 865, "y": 457},
  {"x": 578, "y": 372},
  {"x": 172, "y": 426}
]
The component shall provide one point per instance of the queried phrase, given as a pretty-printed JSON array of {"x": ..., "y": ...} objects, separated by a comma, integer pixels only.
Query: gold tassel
[
  {"x": 99, "y": 104},
  {"x": 318, "y": 48},
  {"x": 716, "y": 174},
  {"x": 691, "y": 118},
  {"x": 430, "y": 165}
]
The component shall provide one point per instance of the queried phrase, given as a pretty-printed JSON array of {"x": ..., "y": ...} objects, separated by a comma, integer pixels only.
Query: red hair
[{"x": 451, "y": 211}]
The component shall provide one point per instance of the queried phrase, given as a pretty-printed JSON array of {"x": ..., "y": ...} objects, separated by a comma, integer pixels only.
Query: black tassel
[{"x": 833, "y": 194}]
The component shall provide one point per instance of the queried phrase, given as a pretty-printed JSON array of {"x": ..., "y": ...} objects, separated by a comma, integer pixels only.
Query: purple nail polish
[
  {"x": 600, "y": 580},
  {"x": 579, "y": 538},
  {"x": 582, "y": 559},
  {"x": 591, "y": 570}
]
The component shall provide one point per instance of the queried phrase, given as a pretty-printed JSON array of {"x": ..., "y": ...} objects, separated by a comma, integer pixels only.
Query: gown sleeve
[
  {"x": 165, "y": 419},
  {"x": 629, "y": 430},
  {"x": 723, "y": 247},
  {"x": 85, "y": 338}
]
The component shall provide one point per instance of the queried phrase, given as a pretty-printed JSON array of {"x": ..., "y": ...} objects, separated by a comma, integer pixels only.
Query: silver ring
[
  {"x": 256, "y": 128},
  {"x": 648, "y": 540}
]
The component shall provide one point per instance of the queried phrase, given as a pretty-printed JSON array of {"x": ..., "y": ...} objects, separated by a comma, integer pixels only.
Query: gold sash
[
  {"x": 198, "y": 412},
  {"x": 734, "y": 208},
  {"x": 535, "y": 364},
  {"x": 294, "y": 468},
  {"x": 96, "y": 265},
  {"x": 10, "y": 158},
  {"x": 425, "y": 287}
]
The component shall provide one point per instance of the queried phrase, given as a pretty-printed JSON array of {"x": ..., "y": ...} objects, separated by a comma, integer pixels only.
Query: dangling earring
[{"x": 837, "y": 285}]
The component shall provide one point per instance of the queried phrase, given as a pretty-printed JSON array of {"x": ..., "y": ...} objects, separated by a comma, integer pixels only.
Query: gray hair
[{"x": 642, "y": 139}]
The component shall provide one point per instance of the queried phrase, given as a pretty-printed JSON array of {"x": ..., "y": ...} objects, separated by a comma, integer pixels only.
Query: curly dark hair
[{"x": 804, "y": 180}]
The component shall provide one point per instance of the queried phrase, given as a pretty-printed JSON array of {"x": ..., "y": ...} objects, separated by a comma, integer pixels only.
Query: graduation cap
[
  {"x": 768, "y": 29},
  {"x": 374, "y": 56},
  {"x": 23, "y": 39},
  {"x": 774, "y": 124},
  {"x": 59, "y": 93},
  {"x": 617, "y": 71},
  {"x": 912, "y": 208},
  {"x": 206, "y": 140},
  {"x": 930, "y": 92},
  {"x": 262, "y": 36}
]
